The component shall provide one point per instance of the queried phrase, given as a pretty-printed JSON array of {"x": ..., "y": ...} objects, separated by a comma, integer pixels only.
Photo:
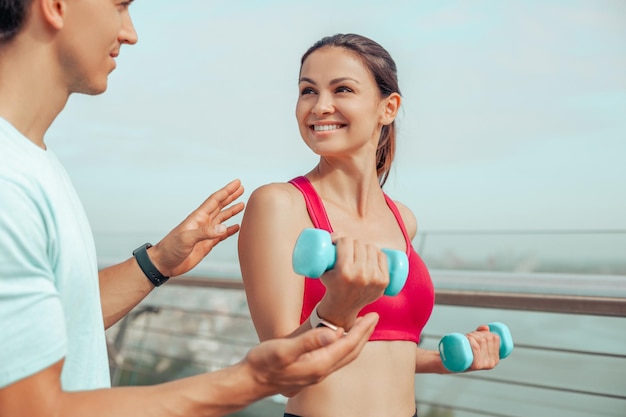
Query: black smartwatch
[{"x": 146, "y": 265}]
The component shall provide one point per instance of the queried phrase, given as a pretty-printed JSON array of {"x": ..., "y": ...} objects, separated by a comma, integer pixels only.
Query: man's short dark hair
[{"x": 12, "y": 16}]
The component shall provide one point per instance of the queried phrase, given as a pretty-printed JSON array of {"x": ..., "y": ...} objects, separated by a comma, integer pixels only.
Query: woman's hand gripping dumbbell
[
  {"x": 314, "y": 254},
  {"x": 456, "y": 352}
]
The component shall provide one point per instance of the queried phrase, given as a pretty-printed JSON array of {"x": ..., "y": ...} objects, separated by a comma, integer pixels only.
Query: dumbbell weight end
[
  {"x": 456, "y": 352},
  {"x": 314, "y": 254}
]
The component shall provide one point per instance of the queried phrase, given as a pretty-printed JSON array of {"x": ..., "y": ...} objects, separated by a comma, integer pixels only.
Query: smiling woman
[
  {"x": 348, "y": 102},
  {"x": 327, "y": 106},
  {"x": 365, "y": 60}
]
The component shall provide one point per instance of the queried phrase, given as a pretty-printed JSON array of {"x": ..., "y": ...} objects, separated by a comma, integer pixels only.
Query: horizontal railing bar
[
  {"x": 542, "y": 386},
  {"x": 432, "y": 231},
  {"x": 549, "y": 303},
  {"x": 524, "y": 232},
  {"x": 156, "y": 309},
  {"x": 443, "y": 406},
  {"x": 221, "y": 283},
  {"x": 222, "y": 339},
  {"x": 150, "y": 371}
]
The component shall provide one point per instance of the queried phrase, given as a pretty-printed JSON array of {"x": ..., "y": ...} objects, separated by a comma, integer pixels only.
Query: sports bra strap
[
  {"x": 314, "y": 204},
  {"x": 319, "y": 217},
  {"x": 396, "y": 213}
]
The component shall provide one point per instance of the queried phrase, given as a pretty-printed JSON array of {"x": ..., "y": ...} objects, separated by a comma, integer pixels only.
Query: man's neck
[{"x": 30, "y": 96}]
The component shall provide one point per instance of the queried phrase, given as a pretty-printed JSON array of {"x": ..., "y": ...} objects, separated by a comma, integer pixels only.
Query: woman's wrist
[
  {"x": 336, "y": 318},
  {"x": 316, "y": 321}
]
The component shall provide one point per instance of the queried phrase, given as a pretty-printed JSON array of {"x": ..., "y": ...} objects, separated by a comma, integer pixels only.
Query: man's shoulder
[{"x": 20, "y": 159}]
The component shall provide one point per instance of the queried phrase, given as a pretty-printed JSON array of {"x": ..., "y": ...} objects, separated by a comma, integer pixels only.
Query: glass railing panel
[{"x": 584, "y": 263}]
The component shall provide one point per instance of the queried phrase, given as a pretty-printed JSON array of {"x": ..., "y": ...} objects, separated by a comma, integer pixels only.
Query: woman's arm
[{"x": 274, "y": 218}]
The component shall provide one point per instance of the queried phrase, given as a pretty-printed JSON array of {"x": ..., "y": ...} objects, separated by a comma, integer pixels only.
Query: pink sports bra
[{"x": 403, "y": 316}]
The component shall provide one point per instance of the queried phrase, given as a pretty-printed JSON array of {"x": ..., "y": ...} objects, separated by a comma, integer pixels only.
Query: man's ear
[
  {"x": 53, "y": 12},
  {"x": 391, "y": 105}
]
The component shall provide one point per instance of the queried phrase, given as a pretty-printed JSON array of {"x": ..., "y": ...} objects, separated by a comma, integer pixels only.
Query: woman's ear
[
  {"x": 52, "y": 12},
  {"x": 390, "y": 107}
]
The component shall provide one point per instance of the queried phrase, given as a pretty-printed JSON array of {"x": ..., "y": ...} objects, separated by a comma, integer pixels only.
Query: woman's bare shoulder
[
  {"x": 410, "y": 222},
  {"x": 281, "y": 190},
  {"x": 279, "y": 206},
  {"x": 276, "y": 195}
]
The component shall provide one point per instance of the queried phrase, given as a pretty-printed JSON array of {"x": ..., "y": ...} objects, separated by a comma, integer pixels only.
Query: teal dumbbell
[
  {"x": 456, "y": 352},
  {"x": 315, "y": 254}
]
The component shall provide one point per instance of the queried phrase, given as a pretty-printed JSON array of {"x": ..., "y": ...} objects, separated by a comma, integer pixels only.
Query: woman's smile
[{"x": 327, "y": 127}]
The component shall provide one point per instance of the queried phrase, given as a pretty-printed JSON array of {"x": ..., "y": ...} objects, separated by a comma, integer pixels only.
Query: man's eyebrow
[{"x": 333, "y": 81}]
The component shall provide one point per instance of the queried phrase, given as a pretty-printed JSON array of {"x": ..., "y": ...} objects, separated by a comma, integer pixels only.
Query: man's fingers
[
  {"x": 330, "y": 347},
  {"x": 365, "y": 324},
  {"x": 218, "y": 231},
  {"x": 349, "y": 347},
  {"x": 222, "y": 197},
  {"x": 311, "y": 341},
  {"x": 216, "y": 211},
  {"x": 325, "y": 351},
  {"x": 229, "y": 212},
  {"x": 290, "y": 364}
]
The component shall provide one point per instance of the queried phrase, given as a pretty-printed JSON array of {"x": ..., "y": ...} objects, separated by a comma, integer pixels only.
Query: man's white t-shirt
[{"x": 49, "y": 295}]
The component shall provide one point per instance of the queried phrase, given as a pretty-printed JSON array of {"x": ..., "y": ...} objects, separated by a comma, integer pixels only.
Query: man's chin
[{"x": 93, "y": 90}]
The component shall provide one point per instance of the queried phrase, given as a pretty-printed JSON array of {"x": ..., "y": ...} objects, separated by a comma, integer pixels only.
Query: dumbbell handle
[
  {"x": 456, "y": 352},
  {"x": 314, "y": 254}
]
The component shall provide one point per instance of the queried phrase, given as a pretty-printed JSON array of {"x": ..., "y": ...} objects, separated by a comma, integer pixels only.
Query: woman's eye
[
  {"x": 306, "y": 90},
  {"x": 343, "y": 90}
]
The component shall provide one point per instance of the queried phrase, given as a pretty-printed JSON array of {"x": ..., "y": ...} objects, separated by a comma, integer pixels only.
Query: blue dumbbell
[
  {"x": 456, "y": 352},
  {"x": 315, "y": 254}
]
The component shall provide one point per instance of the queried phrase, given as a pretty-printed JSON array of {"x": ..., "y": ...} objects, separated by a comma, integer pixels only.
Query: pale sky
[{"x": 514, "y": 112}]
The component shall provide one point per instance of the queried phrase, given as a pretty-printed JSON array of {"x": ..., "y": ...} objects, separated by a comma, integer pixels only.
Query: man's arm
[
  {"x": 275, "y": 366},
  {"x": 124, "y": 285}
]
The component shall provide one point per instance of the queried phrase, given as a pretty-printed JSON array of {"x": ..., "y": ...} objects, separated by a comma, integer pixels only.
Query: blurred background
[
  {"x": 511, "y": 149},
  {"x": 513, "y": 115}
]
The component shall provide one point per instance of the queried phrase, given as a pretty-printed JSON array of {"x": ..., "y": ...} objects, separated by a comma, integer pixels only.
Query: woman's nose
[{"x": 323, "y": 105}]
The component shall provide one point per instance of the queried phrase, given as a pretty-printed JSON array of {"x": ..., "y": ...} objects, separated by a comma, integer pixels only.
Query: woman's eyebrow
[
  {"x": 333, "y": 81},
  {"x": 342, "y": 79}
]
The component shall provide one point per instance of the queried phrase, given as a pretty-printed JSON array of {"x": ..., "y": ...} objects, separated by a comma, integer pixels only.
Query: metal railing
[
  {"x": 160, "y": 341},
  {"x": 563, "y": 291},
  {"x": 548, "y": 303}
]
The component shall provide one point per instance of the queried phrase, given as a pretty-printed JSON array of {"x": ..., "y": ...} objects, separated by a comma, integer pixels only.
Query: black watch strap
[{"x": 146, "y": 265}]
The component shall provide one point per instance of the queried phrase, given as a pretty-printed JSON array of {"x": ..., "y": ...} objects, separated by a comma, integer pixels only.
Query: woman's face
[{"x": 339, "y": 109}]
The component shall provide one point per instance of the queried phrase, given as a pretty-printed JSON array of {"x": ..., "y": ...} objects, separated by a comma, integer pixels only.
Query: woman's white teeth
[{"x": 325, "y": 127}]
